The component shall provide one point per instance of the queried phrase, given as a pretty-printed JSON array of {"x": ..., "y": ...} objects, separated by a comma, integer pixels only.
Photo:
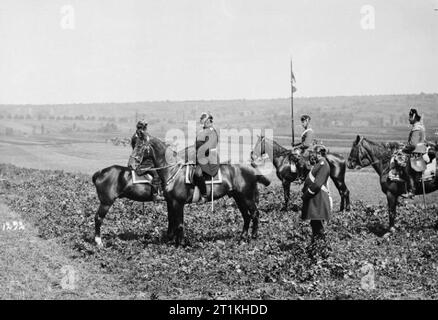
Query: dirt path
[{"x": 33, "y": 268}]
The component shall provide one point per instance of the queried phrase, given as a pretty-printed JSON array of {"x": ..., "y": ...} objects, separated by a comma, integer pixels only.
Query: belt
[{"x": 323, "y": 188}]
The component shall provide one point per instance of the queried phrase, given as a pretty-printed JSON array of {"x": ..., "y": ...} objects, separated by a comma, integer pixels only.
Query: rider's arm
[
  {"x": 133, "y": 141},
  {"x": 308, "y": 139},
  {"x": 416, "y": 138}
]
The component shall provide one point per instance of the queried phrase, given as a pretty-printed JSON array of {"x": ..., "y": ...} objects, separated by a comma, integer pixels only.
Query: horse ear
[{"x": 357, "y": 139}]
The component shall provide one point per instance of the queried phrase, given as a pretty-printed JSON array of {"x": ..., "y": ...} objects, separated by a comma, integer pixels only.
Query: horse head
[
  {"x": 358, "y": 157},
  {"x": 259, "y": 148}
]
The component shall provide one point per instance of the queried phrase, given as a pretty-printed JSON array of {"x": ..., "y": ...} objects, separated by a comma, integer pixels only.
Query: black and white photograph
[{"x": 218, "y": 151}]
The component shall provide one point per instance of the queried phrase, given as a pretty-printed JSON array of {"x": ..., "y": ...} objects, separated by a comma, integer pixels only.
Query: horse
[
  {"x": 115, "y": 182},
  {"x": 365, "y": 152},
  {"x": 287, "y": 172},
  {"x": 238, "y": 182}
]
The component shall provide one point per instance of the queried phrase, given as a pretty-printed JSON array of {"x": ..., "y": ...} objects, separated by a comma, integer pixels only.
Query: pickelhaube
[
  {"x": 321, "y": 149},
  {"x": 206, "y": 116},
  {"x": 141, "y": 124}
]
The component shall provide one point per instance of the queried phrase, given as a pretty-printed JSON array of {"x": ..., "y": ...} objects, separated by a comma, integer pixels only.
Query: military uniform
[
  {"x": 304, "y": 145},
  {"x": 206, "y": 151},
  {"x": 417, "y": 135},
  {"x": 316, "y": 197}
]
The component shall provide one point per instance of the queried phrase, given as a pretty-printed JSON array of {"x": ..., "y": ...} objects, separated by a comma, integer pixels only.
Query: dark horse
[
  {"x": 287, "y": 172},
  {"x": 238, "y": 182},
  {"x": 113, "y": 183},
  {"x": 365, "y": 152}
]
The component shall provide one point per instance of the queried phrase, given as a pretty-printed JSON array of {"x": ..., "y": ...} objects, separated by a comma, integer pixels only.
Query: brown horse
[
  {"x": 238, "y": 182},
  {"x": 113, "y": 183},
  {"x": 287, "y": 171},
  {"x": 365, "y": 153}
]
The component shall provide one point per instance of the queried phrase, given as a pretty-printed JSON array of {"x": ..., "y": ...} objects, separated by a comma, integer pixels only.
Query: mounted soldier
[
  {"x": 138, "y": 141},
  {"x": 302, "y": 148},
  {"x": 207, "y": 162},
  {"x": 416, "y": 145},
  {"x": 316, "y": 198}
]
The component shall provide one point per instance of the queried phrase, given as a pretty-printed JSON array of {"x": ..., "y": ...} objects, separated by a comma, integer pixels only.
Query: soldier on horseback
[
  {"x": 138, "y": 141},
  {"x": 416, "y": 145},
  {"x": 206, "y": 154},
  {"x": 303, "y": 146}
]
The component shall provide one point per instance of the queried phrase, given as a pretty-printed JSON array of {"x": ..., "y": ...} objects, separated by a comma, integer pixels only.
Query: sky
[{"x": 76, "y": 51}]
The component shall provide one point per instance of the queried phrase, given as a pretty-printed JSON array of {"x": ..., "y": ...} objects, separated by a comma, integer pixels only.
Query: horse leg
[
  {"x": 171, "y": 222},
  {"x": 254, "y": 215},
  {"x": 246, "y": 217},
  {"x": 98, "y": 220},
  {"x": 286, "y": 189},
  {"x": 178, "y": 211},
  {"x": 344, "y": 194},
  {"x": 392, "y": 210}
]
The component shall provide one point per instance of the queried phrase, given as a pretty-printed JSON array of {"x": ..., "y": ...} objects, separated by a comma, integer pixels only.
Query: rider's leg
[
  {"x": 199, "y": 181},
  {"x": 409, "y": 177},
  {"x": 156, "y": 184}
]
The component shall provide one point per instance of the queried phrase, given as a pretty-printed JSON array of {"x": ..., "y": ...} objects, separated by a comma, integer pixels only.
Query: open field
[
  {"x": 45, "y": 182},
  {"x": 137, "y": 263}
]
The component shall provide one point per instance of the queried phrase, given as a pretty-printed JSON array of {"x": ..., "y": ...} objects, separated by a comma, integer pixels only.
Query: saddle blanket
[
  {"x": 147, "y": 178},
  {"x": 428, "y": 174},
  {"x": 189, "y": 176}
]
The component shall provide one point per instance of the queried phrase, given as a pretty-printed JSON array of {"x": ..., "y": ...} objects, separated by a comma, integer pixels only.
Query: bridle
[{"x": 367, "y": 155}]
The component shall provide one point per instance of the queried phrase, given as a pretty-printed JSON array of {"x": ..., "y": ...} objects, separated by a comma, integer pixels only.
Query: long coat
[
  {"x": 316, "y": 199},
  {"x": 206, "y": 152}
]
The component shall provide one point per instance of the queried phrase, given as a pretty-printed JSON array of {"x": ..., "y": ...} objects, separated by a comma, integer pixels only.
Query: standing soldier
[
  {"x": 316, "y": 197},
  {"x": 206, "y": 154}
]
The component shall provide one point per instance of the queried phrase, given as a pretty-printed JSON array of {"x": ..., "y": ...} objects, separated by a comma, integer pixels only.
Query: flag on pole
[{"x": 292, "y": 78}]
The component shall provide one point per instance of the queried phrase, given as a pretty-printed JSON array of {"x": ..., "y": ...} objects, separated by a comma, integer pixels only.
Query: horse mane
[
  {"x": 383, "y": 150},
  {"x": 279, "y": 149}
]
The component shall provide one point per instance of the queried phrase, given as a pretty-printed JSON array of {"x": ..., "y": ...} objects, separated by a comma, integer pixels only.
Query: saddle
[
  {"x": 147, "y": 178},
  {"x": 419, "y": 161},
  {"x": 190, "y": 171}
]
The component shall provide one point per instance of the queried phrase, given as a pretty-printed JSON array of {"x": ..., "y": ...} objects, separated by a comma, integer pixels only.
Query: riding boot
[
  {"x": 200, "y": 183},
  {"x": 410, "y": 185}
]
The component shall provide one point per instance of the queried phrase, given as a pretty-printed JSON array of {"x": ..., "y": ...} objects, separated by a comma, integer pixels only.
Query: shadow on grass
[{"x": 377, "y": 228}]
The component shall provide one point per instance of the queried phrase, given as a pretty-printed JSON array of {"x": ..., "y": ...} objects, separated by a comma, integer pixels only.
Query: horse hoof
[{"x": 99, "y": 242}]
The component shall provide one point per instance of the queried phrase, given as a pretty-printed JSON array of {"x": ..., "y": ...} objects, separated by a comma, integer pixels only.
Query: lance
[{"x": 292, "y": 80}]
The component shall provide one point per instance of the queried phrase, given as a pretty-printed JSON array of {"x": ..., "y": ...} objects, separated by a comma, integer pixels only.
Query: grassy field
[
  {"x": 137, "y": 263},
  {"x": 45, "y": 182}
]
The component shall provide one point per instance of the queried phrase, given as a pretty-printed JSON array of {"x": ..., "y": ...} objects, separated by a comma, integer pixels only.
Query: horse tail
[{"x": 263, "y": 180}]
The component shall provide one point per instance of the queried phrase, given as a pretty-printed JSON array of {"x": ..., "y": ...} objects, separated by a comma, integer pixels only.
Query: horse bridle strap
[{"x": 360, "y": 157}]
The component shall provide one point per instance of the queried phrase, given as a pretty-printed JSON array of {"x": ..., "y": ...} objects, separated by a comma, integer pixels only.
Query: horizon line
[{"x": 217, "y": 100}]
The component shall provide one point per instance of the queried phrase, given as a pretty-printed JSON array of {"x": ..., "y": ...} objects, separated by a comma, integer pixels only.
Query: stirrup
[
  {"x": 408, "y": 195},
  {"x": 203, "y": 199}
]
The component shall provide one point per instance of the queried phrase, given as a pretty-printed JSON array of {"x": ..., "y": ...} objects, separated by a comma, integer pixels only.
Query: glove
[{"x": 306, "y": 195}]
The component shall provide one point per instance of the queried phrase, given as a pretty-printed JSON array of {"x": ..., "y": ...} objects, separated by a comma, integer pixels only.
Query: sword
[
  {"x": 212, "y": 205},
  {"x": 424, "y": 194}
]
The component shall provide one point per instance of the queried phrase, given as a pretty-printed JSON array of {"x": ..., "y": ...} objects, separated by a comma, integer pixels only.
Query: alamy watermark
[{"x": 235, "y": 146}]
